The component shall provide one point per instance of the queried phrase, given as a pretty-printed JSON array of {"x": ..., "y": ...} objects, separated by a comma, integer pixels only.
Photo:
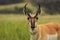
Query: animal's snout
[{"x": 32, "y": 27}]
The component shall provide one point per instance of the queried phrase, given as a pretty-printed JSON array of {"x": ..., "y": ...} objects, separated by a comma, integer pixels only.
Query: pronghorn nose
[{"x": 33, "y": 26}]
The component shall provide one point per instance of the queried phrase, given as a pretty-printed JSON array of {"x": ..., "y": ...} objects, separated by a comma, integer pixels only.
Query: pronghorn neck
[{"x": 33, "y": 34}]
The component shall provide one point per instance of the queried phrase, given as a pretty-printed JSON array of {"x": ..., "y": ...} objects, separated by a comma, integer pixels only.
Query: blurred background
[{"x": 16, "y": 6}]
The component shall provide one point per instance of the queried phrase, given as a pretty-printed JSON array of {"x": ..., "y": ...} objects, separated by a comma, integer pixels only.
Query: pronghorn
[{"x": 40, "y": 32}]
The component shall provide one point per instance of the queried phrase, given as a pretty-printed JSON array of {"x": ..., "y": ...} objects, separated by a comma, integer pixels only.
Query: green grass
[{"x": 15, "y": 27}]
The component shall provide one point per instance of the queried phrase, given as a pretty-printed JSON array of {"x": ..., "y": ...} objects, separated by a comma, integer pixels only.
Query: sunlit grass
[
  {"x": 15, "y": 26},
  {"x": 49, "y": 18}
]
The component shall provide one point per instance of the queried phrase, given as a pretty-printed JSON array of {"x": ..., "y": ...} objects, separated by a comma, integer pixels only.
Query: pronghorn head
[{"x": 32, "y": 19}]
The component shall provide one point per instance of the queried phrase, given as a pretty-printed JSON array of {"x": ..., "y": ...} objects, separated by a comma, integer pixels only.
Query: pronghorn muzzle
[{"x": 32, "y": 27}]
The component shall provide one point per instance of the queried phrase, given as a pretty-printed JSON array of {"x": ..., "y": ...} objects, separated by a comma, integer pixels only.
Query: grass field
[{"x": 15, "y": 27}]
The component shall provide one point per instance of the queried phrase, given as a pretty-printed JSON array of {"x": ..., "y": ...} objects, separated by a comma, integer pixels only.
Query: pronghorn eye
[
  {"x": 28, "y": 18},
  {"x": 37, "y": 18}
]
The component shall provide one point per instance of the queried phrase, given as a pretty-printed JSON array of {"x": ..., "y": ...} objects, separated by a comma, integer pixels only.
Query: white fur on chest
[
  {"x": 33, "y": 37},
  {"x": 52, "y": 37}
]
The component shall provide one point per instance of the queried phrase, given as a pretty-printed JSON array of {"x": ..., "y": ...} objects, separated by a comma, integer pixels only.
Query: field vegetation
[{"x": 15, "y": 26}]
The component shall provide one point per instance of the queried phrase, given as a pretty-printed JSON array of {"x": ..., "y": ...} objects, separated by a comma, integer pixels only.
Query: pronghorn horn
[
  {"x": 38, "y": 11},
  {"x": 29, "y": 15},
  {"x": 26, "y": 10}
]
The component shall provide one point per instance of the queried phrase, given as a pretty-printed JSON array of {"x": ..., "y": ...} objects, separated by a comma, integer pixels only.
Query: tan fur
[
  {"x": 40, "y": 32},
  {"x": 49, "y": 28}
]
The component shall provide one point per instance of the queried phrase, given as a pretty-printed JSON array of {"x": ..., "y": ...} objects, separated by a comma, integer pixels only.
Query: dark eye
[
  {"x": 28, "y": 18},
  {"x": 37, "y": 18}
]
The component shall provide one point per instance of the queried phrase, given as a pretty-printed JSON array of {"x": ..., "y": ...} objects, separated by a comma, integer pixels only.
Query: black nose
[{"x": 32, "y": 27}]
